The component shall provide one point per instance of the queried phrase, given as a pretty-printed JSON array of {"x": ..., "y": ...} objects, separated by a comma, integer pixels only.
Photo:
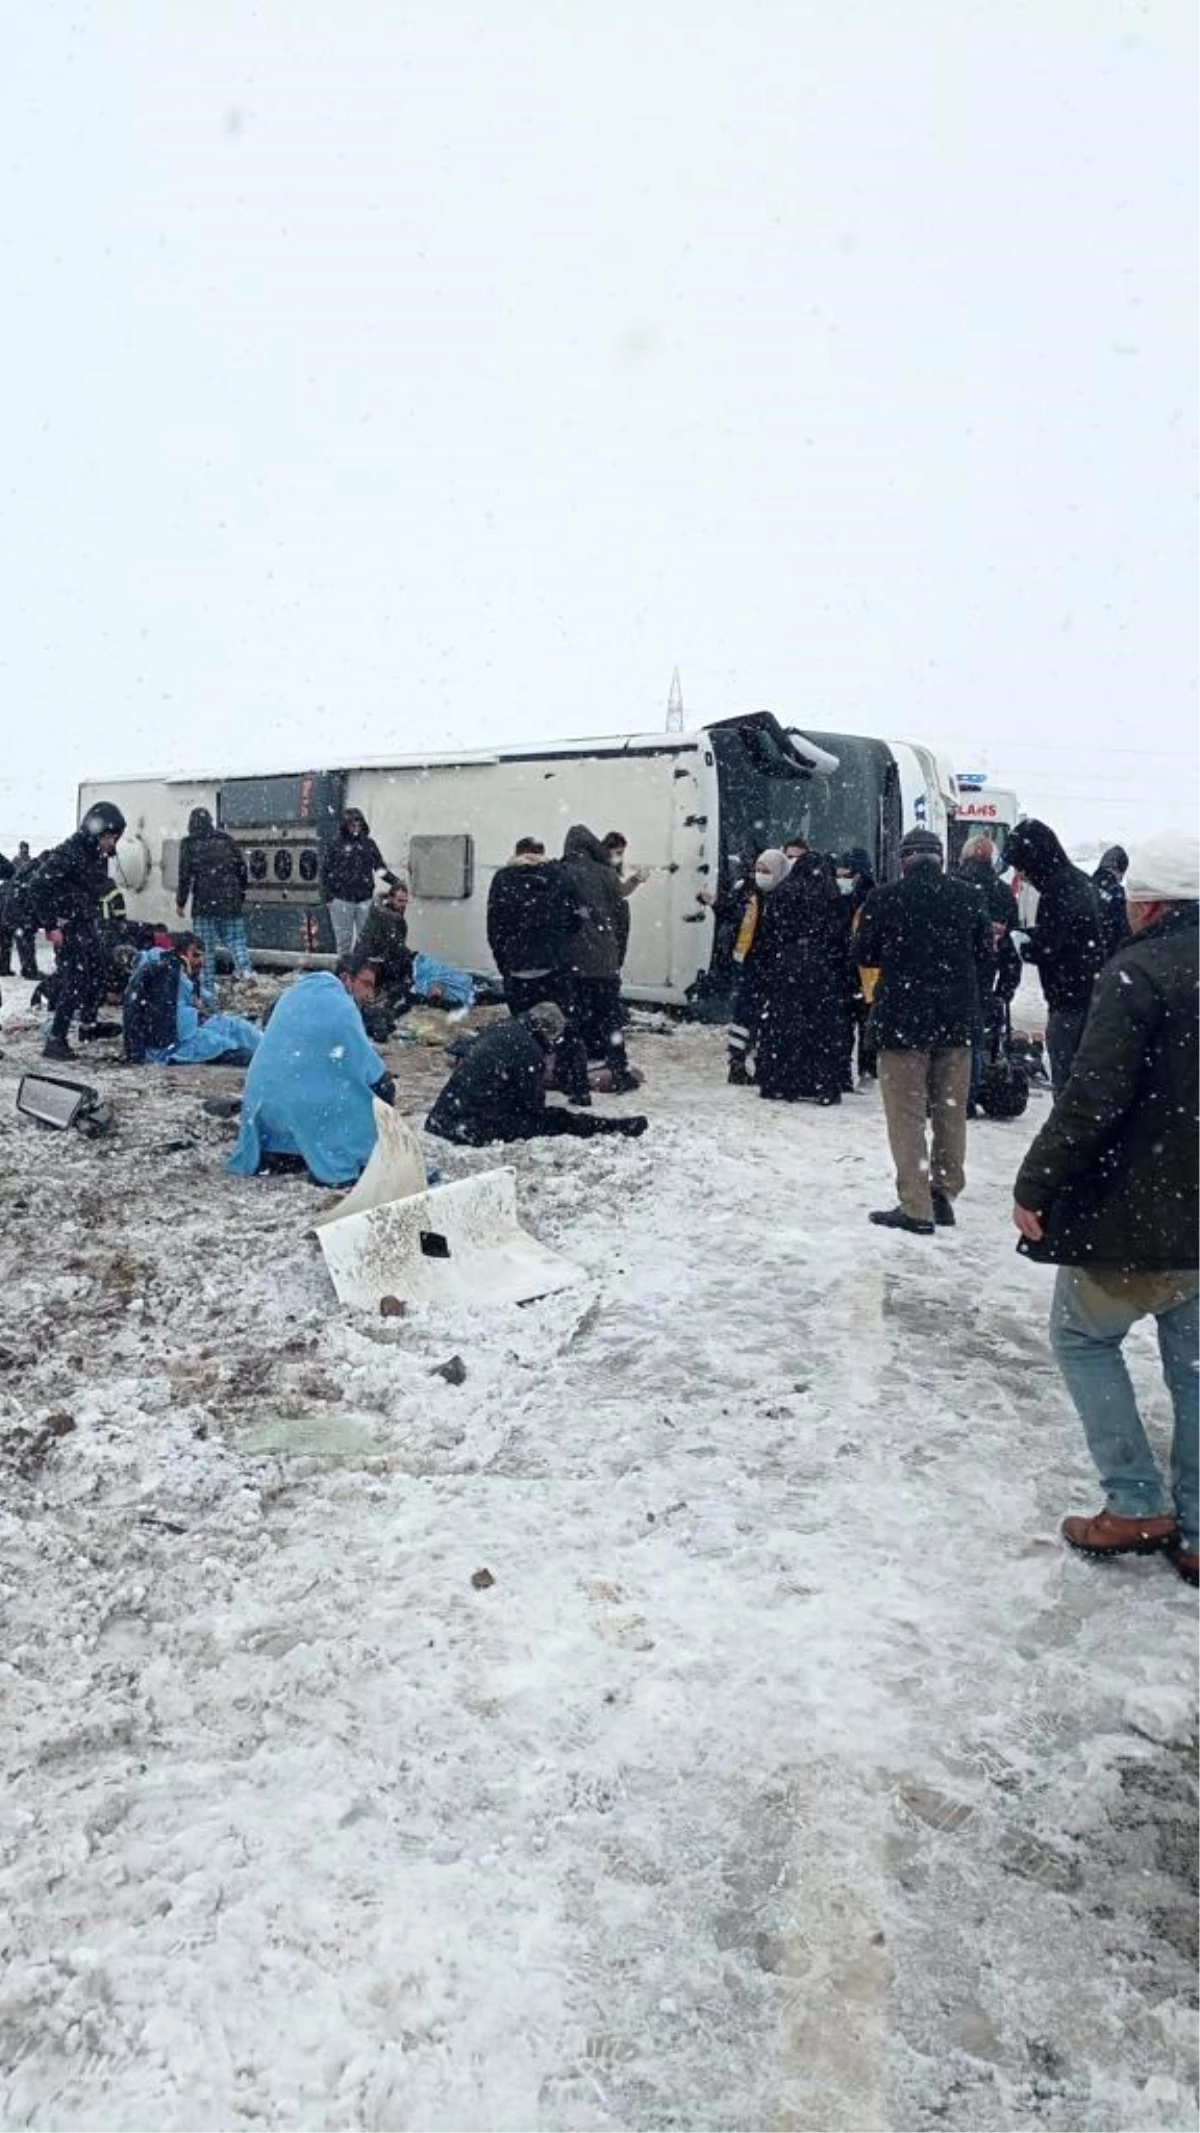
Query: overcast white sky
[{"x": 380, "y": 376}]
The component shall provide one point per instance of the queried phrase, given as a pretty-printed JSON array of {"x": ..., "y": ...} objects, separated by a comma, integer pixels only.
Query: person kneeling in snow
[
  {"x": 309, "y": 1096},
  {"x": 170, "y": 1020},
  {"x": 497, "y": 1092},
  {"x": 383, "y": 942}
]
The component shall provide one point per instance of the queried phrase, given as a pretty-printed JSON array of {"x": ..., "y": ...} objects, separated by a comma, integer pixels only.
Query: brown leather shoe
[
  {"x": 1187, "y": 1563},
  {"x": 1106, "y": 1534}
]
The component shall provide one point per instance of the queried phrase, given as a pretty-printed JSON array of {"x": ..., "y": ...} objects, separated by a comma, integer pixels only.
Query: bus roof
[{"x": 608, "y": 745}]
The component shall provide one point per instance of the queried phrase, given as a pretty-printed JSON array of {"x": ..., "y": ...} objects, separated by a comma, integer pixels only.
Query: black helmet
[{"x": 101, "y": 817}]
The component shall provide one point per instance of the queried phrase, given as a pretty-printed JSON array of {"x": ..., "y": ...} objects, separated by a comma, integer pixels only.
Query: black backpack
[
  {"x": 149, "y": 1008},
  {"x": 1004, "y": 1090}
]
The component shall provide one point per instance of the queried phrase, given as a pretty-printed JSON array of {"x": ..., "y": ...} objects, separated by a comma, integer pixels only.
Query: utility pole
[{"x": 675, "y": 705}]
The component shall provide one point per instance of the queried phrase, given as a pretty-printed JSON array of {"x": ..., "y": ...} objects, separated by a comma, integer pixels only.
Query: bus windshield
[
  {"x": 764, "y": 791},
  {"x": 856, "y": 805},
  {"x": 767, "y": 796}
]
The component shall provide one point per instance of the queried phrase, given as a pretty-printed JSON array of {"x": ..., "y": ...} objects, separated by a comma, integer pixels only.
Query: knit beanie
[
  {"x": 1165, "y": 870},
  {"x": 921, "y": 844}
]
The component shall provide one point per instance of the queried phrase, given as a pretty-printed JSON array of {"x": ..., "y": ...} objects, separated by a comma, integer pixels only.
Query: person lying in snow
[
  {"x": 309, "y": 1097},
  {"x": 439, "y": 984},
  {"x": 170, "y": 1019},
  {"x": 497, "y": 1092}
]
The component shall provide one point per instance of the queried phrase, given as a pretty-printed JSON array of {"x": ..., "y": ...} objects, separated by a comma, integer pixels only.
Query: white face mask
[
  {"x": 845, "y": 885},
  {"x": 765, "y": 882}
]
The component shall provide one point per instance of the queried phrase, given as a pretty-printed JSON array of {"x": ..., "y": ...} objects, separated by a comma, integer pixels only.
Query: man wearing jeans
[
  {"x": 929, "y": 937},
  {"x": 1108, "y": 1193},
  {"x": 348, "y": 868},
  {"x": 212, "y": 871}
]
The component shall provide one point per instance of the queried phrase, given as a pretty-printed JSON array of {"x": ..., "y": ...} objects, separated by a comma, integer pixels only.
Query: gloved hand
[{"x": 631, "y": 1128}]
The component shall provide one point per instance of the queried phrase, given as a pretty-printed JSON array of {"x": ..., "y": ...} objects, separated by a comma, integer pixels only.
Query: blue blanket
[
  {"x": 456, "y": 988},
  {"x": 308, "y": 1090}
]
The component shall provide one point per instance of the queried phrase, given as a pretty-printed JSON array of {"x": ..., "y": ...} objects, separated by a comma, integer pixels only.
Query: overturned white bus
[{"x": 695, "y": 807}]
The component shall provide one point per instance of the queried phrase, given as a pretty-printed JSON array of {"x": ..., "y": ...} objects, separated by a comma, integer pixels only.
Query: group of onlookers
[
  {"x": 917, "y": 975},
  {"x": 559, "y": 932},
  {"x": 797, "y": 1006}
]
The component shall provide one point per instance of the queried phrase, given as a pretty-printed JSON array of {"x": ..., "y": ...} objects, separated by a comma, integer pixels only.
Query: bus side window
[{"x": 170, "y": 863}]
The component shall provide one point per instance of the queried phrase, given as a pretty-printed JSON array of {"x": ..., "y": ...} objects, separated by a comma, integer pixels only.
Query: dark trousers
[
  {"x": 745, "y": 1014},
  {"x": 26, "y": 942},
  {"x": 570, "y": 1053},
  {"x": 390, "y": 1007},
  {"x": 82, "y": 964},
  {"x": 1064, "y": 1028},
  {"x": 601, "y": 1023}
]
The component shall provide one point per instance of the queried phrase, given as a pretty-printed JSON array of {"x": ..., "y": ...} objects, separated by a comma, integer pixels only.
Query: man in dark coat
[
  {"x": 978, "y": 867},
  {"x": 927, "y": 936},
  {"x": 65, "y": 891},
  {"x": 1108, "y": 1193},
  {"x": 596, "y": 950},
  {"x": 15, "y": 923},
  {"x": 348, "y": 871},
  {"x": 532, "y": 917},
  {"x": 383, "y": 942},
  {"x": 7, "y": 927},
  {"x": 497, "y": 1091},
  {"x": 616, "y": 844},
  {"x": 1109, "y": 884},
  {"x": 1067, "y": 943},
  {"x": 212, "y": 871}
]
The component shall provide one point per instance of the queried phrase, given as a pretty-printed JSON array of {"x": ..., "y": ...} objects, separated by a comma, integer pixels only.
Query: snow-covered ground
[{"x": 787, "y": 1774}]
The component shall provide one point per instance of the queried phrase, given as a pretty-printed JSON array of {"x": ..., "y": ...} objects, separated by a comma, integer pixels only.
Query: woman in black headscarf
[
  {"x": 801, "y": 1040},
  {"x": 855, "y": 882}
]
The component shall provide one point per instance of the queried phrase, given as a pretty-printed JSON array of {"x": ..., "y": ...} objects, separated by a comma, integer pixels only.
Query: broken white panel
[{"x": 460, "y": 1244}]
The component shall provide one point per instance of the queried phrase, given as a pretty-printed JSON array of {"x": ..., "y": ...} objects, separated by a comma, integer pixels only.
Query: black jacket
[
  {"x": 803, "y": 915},
  {"x": 1114, "y": 915},
  {"x": 1067, "y": 942},
  {"x": 150, "y": 1008},
  {"x": 596, "y": 947},
  {"x": 384, "y": 942},
  {"x": 497, "y": 1092},
  {"x": 999, "y": 898},
  {"x": 532, "y": 917},
  {"x": 67, "y": 886},
  {"x": 212, "y": 871},
  {"x": 349, "y": 867},
  {"x": 927, "y": 935},
  {"x": 1113, "y": 1172}
]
